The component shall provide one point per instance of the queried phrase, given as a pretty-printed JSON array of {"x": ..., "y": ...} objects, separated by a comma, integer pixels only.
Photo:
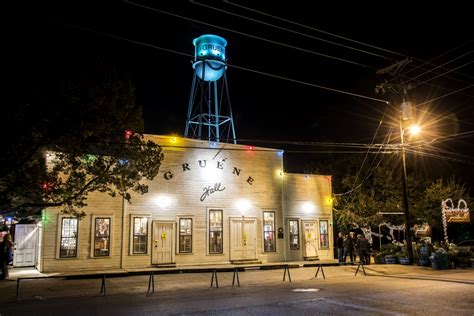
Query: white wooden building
[{"x": 212, "y": 203}]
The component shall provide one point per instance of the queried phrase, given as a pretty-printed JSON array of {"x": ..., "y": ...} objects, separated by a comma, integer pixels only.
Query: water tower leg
[
  {"x": 190, "y": 105},
  {"x": 230, "y": 109},
  {"x": 216, "y": 107}
]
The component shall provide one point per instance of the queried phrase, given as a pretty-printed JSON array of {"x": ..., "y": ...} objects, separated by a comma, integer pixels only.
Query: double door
[{"x": 243, "y": 238}]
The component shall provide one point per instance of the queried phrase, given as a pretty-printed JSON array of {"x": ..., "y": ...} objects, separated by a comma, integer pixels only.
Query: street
[{"x": 386, "y": 290}]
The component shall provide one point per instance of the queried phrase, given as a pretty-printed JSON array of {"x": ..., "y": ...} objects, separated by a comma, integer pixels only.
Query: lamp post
[{"x": 414, "y": 130}]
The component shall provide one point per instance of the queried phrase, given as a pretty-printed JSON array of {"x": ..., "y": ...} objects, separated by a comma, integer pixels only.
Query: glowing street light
[{"x": 415, "y": 129}]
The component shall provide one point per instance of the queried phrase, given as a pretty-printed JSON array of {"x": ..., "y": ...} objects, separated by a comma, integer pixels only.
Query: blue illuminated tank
[{"x": 209, "y": 57}]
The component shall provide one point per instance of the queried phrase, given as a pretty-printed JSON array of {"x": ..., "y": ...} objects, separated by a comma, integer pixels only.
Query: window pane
[
  {"x": 323, "y": 234},
  {"x": 269, "y": 231},
  {"x": 68, "y": 244},
  {"x": 185, "y": 244},
  {"x": 185, "y": 235},
  {"x": 141, "y": 226},
  {"x": 294, "y": 235},
  {"x": 102, "y": 237},
  {"x": 215, "y": 242},
  {"x": 215, "y": 231},
  {"x": 140, "y": 234}
]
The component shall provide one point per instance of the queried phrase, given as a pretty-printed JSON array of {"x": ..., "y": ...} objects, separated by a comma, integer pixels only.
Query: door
[
  {"x": 162, "y": 243},
  {"x": 243, "y": 238},
  {"x": 24, "y": 249},
  {"x": 310, "y": 234}
]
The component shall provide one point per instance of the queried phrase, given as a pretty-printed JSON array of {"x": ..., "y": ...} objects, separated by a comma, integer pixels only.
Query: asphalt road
[{"x": 382, "y": 292}]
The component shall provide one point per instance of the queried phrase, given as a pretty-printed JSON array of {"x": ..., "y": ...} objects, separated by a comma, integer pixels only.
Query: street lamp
[{"x": 414, "y": 129}]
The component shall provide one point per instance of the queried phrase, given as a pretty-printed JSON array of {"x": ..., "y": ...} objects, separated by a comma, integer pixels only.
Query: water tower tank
[{"x": 209, "y": 57}]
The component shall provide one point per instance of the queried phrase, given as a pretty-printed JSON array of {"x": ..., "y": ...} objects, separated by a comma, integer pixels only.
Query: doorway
[
  {"x": 24, "y": 249},
  {"x": 243, "y": 238},
  {"x": 163, "y": 244},
  {"x": 310, "y": 240}
]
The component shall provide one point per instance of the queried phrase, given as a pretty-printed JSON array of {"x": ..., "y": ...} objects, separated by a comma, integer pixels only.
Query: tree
[
  {"x": 88, "y": 130},
  {"x": 428, "y": 208},
  {"x": 370, "y": 191},
  {"x": 378, "y": 189}
]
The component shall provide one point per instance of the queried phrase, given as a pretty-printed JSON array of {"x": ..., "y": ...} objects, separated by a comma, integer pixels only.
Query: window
[
  {"x": 140, "y": 235},
  {"x": 102, "y": 237},
  {"x": 269, "y": 231},
  {"x": 323, "y": 234},
  {"x": 215, "y": 231},
  {"x": 185, "y": 235},
  {"x": 68, "y": 246},
  {"x": 294, "y": 235}
]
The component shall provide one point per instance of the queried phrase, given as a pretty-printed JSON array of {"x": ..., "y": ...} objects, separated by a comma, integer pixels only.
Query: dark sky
[{"x": 46, "y": 42}]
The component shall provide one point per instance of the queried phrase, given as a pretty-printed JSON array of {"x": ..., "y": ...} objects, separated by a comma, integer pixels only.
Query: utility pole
[
  {"x": 405, "y": 194},
  {"x": 397, "y": 88}
]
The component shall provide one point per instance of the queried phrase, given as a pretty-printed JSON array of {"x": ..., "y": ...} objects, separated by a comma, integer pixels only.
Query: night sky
[{"x": 50, "y": 41}]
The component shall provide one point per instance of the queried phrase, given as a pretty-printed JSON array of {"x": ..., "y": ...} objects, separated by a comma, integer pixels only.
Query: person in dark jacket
[
  {"x": 3, "y": 260},
  {"x": 349, "y": 247},
  {"x": 340, "y": 247},
  {"x": 363, "y": 249}
]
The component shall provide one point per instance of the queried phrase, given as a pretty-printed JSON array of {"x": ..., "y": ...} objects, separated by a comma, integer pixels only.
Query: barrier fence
[{"x": 151, "y": 278}]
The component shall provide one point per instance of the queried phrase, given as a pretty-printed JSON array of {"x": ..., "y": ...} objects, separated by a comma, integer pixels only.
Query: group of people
[
  {"x": 6, "y": 246},
  {"x": 351, "y": 246}
]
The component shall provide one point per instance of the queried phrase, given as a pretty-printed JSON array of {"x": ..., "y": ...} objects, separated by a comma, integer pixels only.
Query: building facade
[{"x": 211, "y": 203}]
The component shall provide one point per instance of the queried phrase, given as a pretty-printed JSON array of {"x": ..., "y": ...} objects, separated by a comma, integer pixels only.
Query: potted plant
[
  {"x": 439, "y": 259},
  {"x": 424, "y": 255},
  {"x": 379, "y": 257},
  {"x": 391, "y": 251},
  {"x": 403, "y": 257}
]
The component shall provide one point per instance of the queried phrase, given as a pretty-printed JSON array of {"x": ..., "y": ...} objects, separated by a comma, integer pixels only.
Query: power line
[
  {"x": 311, "y": 28},
  {"x": 433, "y": 59},
  {"x": 443, "y": 96},
  {"x": 443, "y": 116},
  {"x": 421, "y": 153},
  {"x": 441, "y": 66},
  {"x": 440, "y": 75},
  {"x": 235, "y": 66},
  {"x": 250, "y": 35},
  {"x": 332, "y": 34},
  {"x": 311, "y": 84},
  {"x": 289, "y": 30},
  {"x": 373, "y": 139}
]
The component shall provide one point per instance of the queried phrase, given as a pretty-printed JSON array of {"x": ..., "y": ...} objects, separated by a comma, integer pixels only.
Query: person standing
[
  {"x": 3, "y": 260},
  {"x": 8, "y": 247},
  {"x": 348, "y": 249},
  {"x": 340, "y": 247},
  {"x": 363, "y": 248}
]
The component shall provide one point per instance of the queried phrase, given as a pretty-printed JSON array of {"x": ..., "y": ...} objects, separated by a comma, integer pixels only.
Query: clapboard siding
[
  {"x": 188, "y": 168},
  {"x": 307, "y": 197},
  {"x": 99, "y": 204}
]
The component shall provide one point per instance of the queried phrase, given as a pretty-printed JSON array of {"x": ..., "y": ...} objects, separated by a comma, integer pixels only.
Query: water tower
[{"x": 209, "y": 110}]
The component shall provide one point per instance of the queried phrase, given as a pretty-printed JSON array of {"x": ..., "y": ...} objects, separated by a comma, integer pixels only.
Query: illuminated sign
[
  {"x": 217, "y": 186},
  {"x": 457, "y": 216}
]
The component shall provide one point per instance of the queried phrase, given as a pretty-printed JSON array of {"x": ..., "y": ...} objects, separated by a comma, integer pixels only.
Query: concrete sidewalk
[
  {"x": 191, "y": 279},
  {"x": 30, "y": 272}
]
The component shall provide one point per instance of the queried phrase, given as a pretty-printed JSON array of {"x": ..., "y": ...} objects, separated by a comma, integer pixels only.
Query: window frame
[
  {"x": 326, "y": 234},
  {"x": 93, "y": 235},
  {"x": 297, "y": 234},
  {"x": 180, "y": 235},
  {"x": 61, "y": 219},
  {"x": 132, "y": 234},
  {"x": 209, "y": 231},
  {"x": 269, "y": 231}
]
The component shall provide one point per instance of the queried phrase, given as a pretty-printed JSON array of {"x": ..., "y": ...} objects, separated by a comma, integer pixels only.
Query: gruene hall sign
[
  {"x": 456, "y": 215},
  {"x": 214, "y": 187}
]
